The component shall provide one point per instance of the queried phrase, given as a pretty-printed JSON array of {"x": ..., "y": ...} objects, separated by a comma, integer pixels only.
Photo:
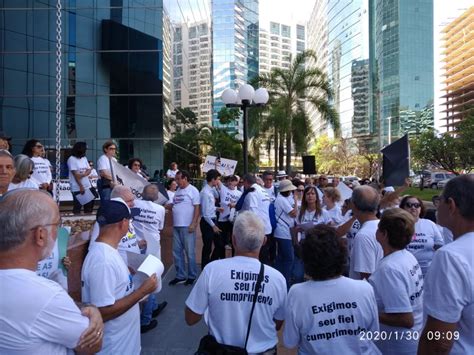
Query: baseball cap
[{"x": 114, "y": 211}]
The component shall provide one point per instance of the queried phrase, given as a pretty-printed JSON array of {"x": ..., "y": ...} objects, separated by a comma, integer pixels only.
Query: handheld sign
[{"x": 225, "y": 167}]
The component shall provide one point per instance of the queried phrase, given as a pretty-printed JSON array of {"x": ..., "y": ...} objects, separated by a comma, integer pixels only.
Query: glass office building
[
  {"x": 401, "y": 67},
  {"x": 235, "y": 48},
  {"x": 112, "y": 74}
]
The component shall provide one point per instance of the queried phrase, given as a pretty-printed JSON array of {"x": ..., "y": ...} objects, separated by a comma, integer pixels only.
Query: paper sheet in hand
[
  {"x": 134, "y": 260},
  {"x": 345, "y": 191},
  {"x": 86, "y": 197},
  {"x": 150, "y": 265}
]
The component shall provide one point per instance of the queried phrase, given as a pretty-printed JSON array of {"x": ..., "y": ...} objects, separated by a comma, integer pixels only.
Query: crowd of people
[{"x": 366, "y": 274}]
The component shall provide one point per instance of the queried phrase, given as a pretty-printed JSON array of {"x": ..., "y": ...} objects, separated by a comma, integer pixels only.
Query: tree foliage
[{"x": 451, "y": 151}]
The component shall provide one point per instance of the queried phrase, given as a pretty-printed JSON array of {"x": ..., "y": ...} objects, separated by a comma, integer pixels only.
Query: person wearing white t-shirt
[
  {"x": 79, "y": 171},
  {"x": 171, "y": 173},
  {"x": 229, "y": 195},
  {"x": 267, "y": 178},
  {"x": 257, "y": 200},
  {"x": 427, "y": 238},
  {"x": 171, "y": 187},
  {"x": 42, "y": 167},
  {"x": 107, "y": 283},
  {"x": 223, "y": 293},
  {"x": 331, "y": 197},
  {"x": 185, "y": 209},
  {"x": 285, "y": 213},
  {"x": 105, "y": 183},
  {"x": 366, "y": 251},
  {"x": 148, "y": 225},
  {"x": 22, "y": 180},
  {"x": 398, "y": 285},
  {"x": 329, "y": 314},
  {"x": 37, "y": 316},
  {"x": 310, "y": 214},
  {"x": 449, "y": 286}
]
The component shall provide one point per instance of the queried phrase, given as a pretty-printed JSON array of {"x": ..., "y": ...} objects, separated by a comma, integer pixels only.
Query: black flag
[{"x": 396, "y": 162}]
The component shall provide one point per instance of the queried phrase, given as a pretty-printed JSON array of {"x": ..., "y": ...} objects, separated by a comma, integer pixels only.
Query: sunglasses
[
  {"x": 38, "y": 146},
  {"x": 410, "y": 205}
]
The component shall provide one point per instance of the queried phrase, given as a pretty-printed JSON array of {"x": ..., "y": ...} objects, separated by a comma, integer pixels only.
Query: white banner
[
  {"x": 125, "y": 176},
  {"x": 224, "y": 166},
  {"x": 65, "y": 189}
]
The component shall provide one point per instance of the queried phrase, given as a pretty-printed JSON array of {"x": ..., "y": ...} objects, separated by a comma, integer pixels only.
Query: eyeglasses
[
  {"x": 39, "y": 146},
  {"x": 112, "y": 148},
  {"x": 321, "y": 178},
  {"x": 57, "y": 224},
  {"x": 300, "y": 190},
  {"x": 410, "y": 205},
  {"x": 137, "y": 165}
]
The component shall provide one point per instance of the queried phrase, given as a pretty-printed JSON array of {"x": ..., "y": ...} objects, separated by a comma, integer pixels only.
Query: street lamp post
[{"x": 246, "y": 97}]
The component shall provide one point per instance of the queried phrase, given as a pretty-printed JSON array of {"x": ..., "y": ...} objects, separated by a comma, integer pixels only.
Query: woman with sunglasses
[
  {"x": 24, "y": 169},
  {"x": 299, "y": 192},
  {"x": 42, "y": 166},
  {"x": 135, "y": 164},
  {"x": 105, "y": 182},
  {"x": 310, "y": 214},
  {"x": 427, "y": 238}
]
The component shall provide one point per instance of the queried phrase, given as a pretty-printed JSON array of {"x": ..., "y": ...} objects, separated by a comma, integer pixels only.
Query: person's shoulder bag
[{"x": 209, "y": 345}]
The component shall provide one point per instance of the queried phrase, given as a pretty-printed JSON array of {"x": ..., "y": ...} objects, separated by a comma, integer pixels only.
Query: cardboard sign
[{"x": 225, "y": 167}]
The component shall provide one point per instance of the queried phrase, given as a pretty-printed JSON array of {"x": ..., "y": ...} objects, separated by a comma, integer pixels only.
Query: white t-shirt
[
  {"x": 283, "y": 206},
  {"x": 36, "y": 315},
  {"x": 446, "y": 233},
  {"x": 332, "y": 319},
  {"x": 351, "y": 234},
  {"x": 427, "y": 235},
  {"x": 42, "y": 170},
  {"x": 80, "y": 166},
  {"x": 335, "y": 214},
  {"x": 271, "y": 193},
  {"x": 104, "y": 164},
  {"x": 171, "y": 174},
  {"x": 398, "y": 285},
  {"x": 223, "y": 293},
  {"x": 227, "y": 197},
  {"x": 149, "y": 223},
  {"x": 312, "y": 217},
  {"x": 170, "y": 196},
  {"x": 258, "y": 202},
  {"x": 183, "y": 206},
  {"x": 49, "y": 267},
  {"x": 449, "y": 290},
  {"x": 105, "y": 280},
  {"x": 366, "y": 251},
  {"x": 27, "y": 184}
]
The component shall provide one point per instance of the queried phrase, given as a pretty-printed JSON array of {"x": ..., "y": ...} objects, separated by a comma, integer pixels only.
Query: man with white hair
[
  {"x": 226, "y": 290},
  {"x": 36, "y": 315},
  {"x": 148, "y": 225}
]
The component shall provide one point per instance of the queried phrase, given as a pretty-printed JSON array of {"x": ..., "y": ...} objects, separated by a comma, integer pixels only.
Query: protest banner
[{"x": 225, "y": 167}]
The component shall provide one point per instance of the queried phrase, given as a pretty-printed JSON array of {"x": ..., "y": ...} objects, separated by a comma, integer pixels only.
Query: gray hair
[
  {"x": 249, "y": 232},
  {"x": 20, "y": 211},
  {"x": 150, "y": 192},
  {"x": 23, "y": 166},
  {"x": 5, "y": 153},
  {"x": 461, "y": 190},
  {"x": 120, "y": 191},
  {"x": 250, "y": 179},
  {"x": 366, "y": 199}
]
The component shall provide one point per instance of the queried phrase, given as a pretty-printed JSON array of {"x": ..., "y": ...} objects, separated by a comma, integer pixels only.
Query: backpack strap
[{"x": 257, "y": 289}]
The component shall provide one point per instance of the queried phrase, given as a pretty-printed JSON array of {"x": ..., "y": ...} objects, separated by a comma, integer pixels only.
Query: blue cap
[{"x": 111, "y": 212}]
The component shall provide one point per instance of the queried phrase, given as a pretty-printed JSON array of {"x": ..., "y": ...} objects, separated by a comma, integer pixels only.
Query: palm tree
[{"x": 292, "y": 88}]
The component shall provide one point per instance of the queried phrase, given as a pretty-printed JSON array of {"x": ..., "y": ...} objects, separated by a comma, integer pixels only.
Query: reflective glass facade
[
  {"x": 112, "y": 74},
  {"x": 402, "y": 67},
  {"x": 235, "y": 47}
]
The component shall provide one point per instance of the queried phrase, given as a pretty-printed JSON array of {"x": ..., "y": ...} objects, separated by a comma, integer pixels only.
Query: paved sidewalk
[{"x": 173, "y": 336}]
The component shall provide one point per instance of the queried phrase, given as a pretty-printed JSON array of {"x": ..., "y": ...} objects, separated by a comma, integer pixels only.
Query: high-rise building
[
  {"x": 360, "y": 98},
  {"x": 459, "y": 68},
  {"x": 112, "y": 75},
  {"x": 235, "y": 37},
  {"x": 338, "y": 33},
  {"x": 192, "y": 54},
  {"x": 401, "y": 67}
]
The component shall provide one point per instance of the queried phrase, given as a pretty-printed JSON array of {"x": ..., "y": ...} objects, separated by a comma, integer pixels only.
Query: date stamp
[{"x": 383, "y": 335}]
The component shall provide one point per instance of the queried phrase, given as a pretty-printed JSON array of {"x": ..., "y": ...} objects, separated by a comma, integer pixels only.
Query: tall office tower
[
  {"x": 459, "y": 68},
  {"x": 167, "y": 72},
  {"x": 360, "y": 97},
  {"x": 112, "y": 75},
  {"x": 278, "y": 46},
  {"x": 401, "y": 67},
  {"x": 235, "y": 49},
  {"x": 192, "y": 69},
  {"x": 338, "y": 33}
]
